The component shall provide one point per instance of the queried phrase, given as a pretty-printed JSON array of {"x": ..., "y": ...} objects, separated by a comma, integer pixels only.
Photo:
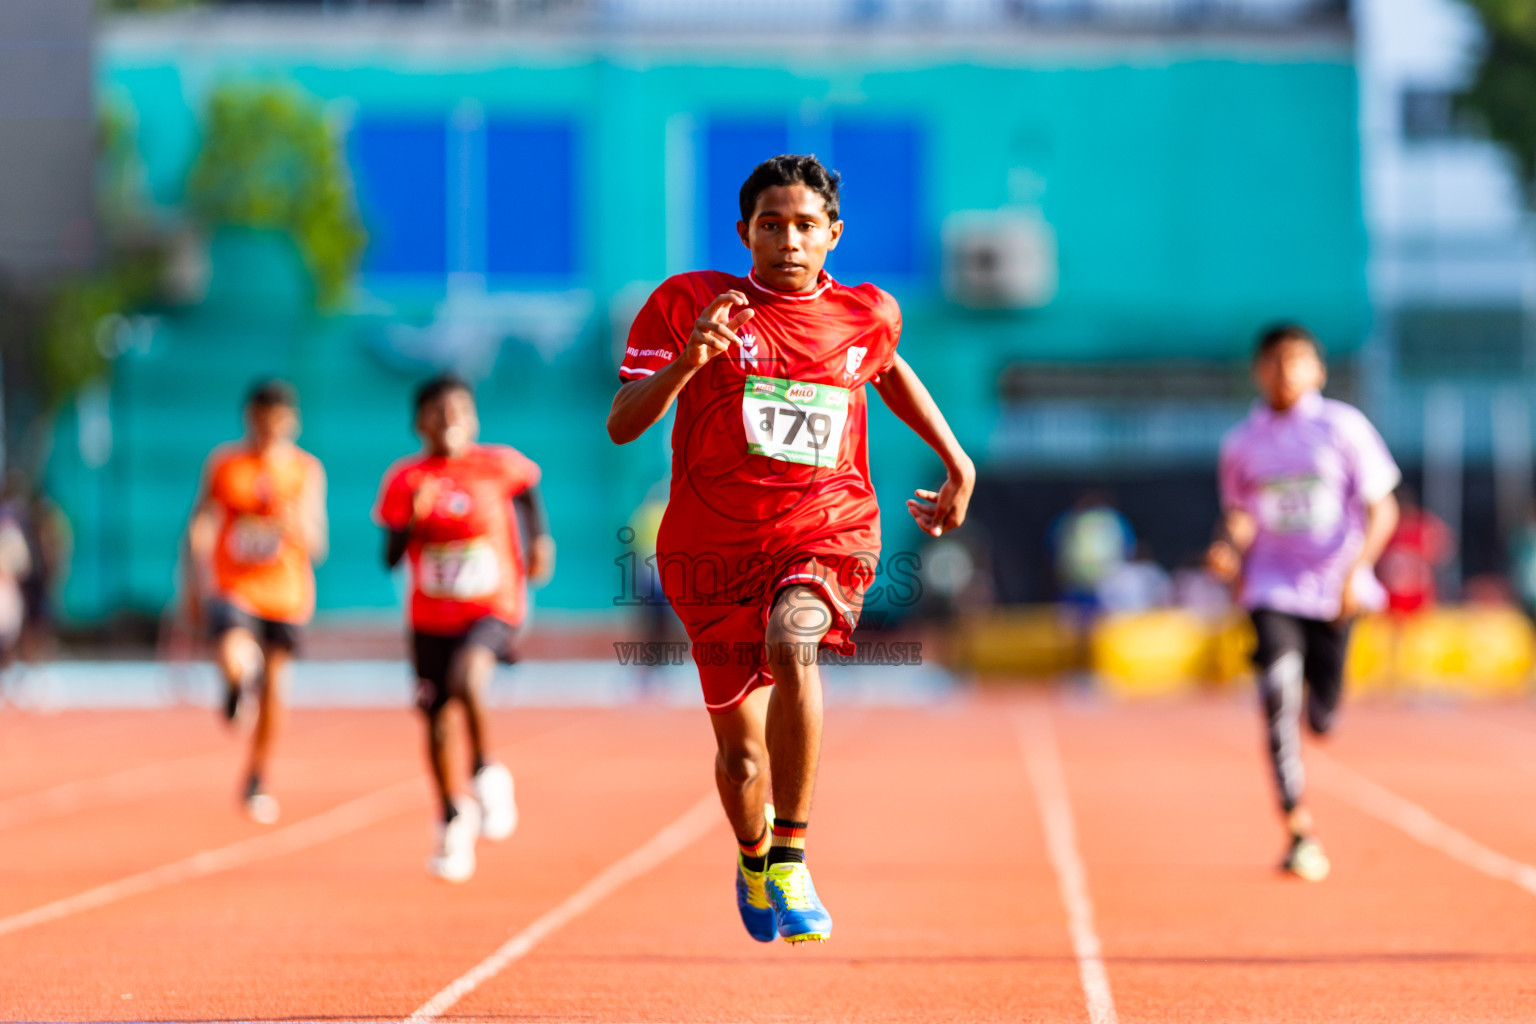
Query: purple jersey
[{"x": 1306, "y": 476}]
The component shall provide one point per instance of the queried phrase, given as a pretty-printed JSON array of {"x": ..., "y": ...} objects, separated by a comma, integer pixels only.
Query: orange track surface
[{"x": 927, "y": 844}]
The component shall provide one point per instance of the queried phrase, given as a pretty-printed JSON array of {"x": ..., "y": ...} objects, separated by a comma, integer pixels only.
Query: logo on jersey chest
[
  {"x": 855, "y": 359},
  {"x": 748, "y": 351},
  {"x": 454, "y": 504}
]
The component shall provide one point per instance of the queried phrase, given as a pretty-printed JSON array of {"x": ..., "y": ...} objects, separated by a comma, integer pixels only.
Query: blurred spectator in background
[
  {"x": 1089, "y": 542},
  {"x": 658, "y": 624},
  {"x": 1522, "y": 569},
  {"x": 34, "y": 555},
  {"x": 51, "y": 544},
  {"x": 15, "y": 568},
  {"x": 1407, "y": 567},
  {"x": 1196, "y": 589},
  {"x": 1138, "y": 584},
  {"x": 956, "y": 576}
]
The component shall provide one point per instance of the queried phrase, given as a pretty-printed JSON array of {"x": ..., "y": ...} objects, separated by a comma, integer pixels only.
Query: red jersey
[
  {"x": 770, "y": 463},
  {"x": 465, "y": 556}
]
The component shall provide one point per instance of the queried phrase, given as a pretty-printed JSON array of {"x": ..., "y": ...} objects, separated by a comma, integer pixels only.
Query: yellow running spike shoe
[{"x": 798, "y": 910}]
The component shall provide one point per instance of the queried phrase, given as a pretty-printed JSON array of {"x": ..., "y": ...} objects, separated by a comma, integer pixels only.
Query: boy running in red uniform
[
  {"x": 771, "y": 535},
  {"x": 450, "y": 513},
  {"x": 257, "y": 530}
]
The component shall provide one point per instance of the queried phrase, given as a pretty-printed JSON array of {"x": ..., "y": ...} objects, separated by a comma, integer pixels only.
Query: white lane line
[
  {"x": 1403, "y": 814},
  {"x": 1042, "y": 762},
  {"x": 103, "y": 791},
  {"x": 672, "y": 839},
  {"x": 338, "y": 821}
]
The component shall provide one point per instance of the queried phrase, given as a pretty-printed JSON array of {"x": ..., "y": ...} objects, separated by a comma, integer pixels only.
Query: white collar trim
[{"x": 826, "y": 283}]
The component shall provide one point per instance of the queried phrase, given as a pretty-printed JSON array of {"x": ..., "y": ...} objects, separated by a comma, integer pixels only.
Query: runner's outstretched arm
[
  {"x": 1234, "y": 536},
  {"x": 1381, "y": 518},
  {"x": 640, "y": 403},
  {"x": 315, "y": 523},
  {"x": 905, "y": 395},
  {"x": 541, "y": 546},
  {"x": 396, "y": 541},
  {"x": 201, "y": 539}
]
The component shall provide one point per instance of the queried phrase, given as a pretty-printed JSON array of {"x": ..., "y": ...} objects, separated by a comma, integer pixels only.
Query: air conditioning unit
[{"x": 999, "y": 259}]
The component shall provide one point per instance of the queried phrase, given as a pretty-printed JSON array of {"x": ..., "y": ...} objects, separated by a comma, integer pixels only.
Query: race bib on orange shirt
[
  {"x": 254, "y": 540},
  {"x": 460, "y": 570}
]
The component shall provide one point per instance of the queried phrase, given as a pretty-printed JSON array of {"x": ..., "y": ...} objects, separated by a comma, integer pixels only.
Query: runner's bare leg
[
  {"x": 238, "y": 655},
  {"x": 469, "y": 677},
  {"x": 272, "y": 711},
  {"x": 440, "y": 754},
  {"x": 741, "y": 764},
  {"x": 800, "y": 618}
]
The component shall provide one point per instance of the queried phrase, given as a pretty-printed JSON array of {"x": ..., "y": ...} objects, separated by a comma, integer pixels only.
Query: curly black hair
[{"x": 790, "y": 169}]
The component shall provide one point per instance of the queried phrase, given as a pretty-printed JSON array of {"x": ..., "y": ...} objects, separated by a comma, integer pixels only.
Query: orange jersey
[
  {"x": 259, "y": 564},
  {"x": 466, "y": 557}
]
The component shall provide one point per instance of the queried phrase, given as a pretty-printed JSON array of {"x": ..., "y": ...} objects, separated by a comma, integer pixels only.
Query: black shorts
[
  {"x": 432, "y": 655},
  {"x": 223, "y": 617},
  {"x": 1323, "y": 646}
]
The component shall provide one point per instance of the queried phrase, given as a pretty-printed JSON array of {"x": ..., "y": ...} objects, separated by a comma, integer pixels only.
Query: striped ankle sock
[
  {"x": 754, "y": 855},
  {"x": 788, "y": 842}
]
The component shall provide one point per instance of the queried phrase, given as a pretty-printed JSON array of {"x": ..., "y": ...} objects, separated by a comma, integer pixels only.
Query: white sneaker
[
  {"x": 262, "y": 808},
  {"x": 498, "y": 806},
  {"x": 454, "y": 860}
]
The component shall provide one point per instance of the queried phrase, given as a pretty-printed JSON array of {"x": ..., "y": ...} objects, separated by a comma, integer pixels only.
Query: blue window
[
  {"x": 531, "y": 193},
  {"x": 400, "y": 167},
  {"x": 882, "y": 193},
  {"x": 731, "y": 150},
  {"x": 881, "y": 196}
]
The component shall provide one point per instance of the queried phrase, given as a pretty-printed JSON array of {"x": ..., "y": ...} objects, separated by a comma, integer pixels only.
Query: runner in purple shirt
[{"x": 1306, "y": 494}]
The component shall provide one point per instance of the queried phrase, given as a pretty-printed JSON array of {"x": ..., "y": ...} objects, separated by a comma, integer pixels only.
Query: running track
[{"x": 1021, "y": 858}]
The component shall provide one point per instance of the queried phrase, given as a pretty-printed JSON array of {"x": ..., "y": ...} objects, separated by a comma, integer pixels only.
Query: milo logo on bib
[{"x": 794, "y": 420}]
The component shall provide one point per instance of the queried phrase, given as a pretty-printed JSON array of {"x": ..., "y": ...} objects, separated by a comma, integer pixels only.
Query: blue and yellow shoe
[
  {"x": 752, "y": 900},
  {"x": 796, "y": 907}
]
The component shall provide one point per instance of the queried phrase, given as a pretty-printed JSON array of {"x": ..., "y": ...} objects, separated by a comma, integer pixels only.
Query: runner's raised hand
[
  {"x": 424, "y": 498},
  {"x": 715, "y": 329},
  {"x": 939, "y": 511}
]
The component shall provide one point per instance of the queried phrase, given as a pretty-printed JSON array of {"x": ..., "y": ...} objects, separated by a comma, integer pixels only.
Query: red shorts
[{"x": 726, "y": 629}]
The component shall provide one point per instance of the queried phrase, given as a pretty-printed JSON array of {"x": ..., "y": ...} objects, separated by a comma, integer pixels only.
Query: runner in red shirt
[
  {"x": 450, "y": 514},
  {"x": 772, "y": 533}
]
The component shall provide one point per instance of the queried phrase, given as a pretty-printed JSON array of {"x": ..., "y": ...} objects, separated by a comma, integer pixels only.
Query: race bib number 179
[{"x": 793, "y": 420}]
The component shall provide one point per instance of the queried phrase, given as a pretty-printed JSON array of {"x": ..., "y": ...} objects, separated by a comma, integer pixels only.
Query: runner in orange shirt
[
  {"x": 452, "y": 514},
  {"x": 257, "y": 530}
]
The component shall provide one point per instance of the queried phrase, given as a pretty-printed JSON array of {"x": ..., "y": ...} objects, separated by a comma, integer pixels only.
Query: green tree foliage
[
  {"x": 270, "y": 159},
  {"x": 69, "y": 353},
  {"x": 1502, "y": 96}
]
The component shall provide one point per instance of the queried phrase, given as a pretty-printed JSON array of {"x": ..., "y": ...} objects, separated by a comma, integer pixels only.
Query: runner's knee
[
  {"x": 741, "y": 762},
  {"x": 470, "y": 670},
  {"x": 800, "y": 617}
]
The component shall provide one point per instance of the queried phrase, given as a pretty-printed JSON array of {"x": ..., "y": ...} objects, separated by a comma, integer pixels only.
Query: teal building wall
[{"x": 1196, "y": 191}]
